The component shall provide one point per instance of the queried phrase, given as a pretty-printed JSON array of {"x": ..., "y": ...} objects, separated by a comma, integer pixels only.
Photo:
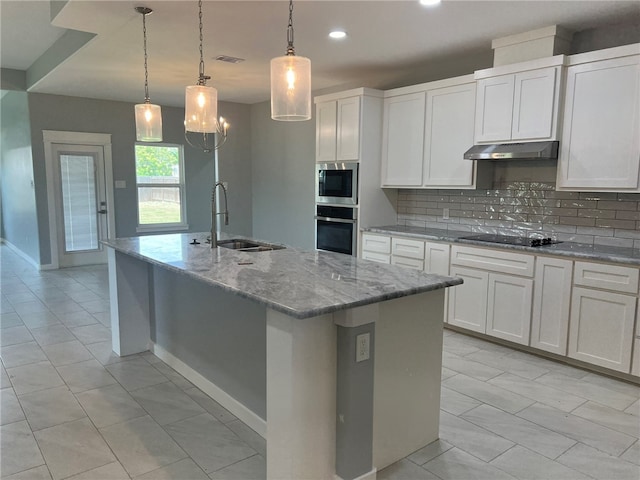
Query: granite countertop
[
  {"x": 629, "y": 256},
  {"x": 296, "y": 282}
]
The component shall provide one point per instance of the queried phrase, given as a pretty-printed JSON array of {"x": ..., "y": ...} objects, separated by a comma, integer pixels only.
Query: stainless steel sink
[{"x": 248, "y": 245}]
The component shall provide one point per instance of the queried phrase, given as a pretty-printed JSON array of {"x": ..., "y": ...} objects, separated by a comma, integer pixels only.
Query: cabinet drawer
[
  {"x": 407, "y": 262},
  {"x": 497, "y": 261},
  {"x": 376, "y": 257},
  {"x": 376, "y": 243},
  {"x": 610, "y": 277},
  {"x": 407, "y": 248}
]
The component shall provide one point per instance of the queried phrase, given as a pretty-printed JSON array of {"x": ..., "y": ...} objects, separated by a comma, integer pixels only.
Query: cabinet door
[
  {"x": 468, "y": 302},
  {"x": 436, "y": 258},
  {"x": 551, "y": 301},
  {"x": 534, "y": 105},
  {"x": 377, "y": 257},
  {"x": 407, "y": 262},
  {"x": 494, "y": 109},
  {"x": 448, "y": 134},
  {"x": 348, "y": 129},
  {"x": 600, "y": 148},
  {"x": 326, "y": 131},
  {"x": 601, "y": 328},
  {"x": 509, "y": 307},
  {"x": 403, "y": 140}
]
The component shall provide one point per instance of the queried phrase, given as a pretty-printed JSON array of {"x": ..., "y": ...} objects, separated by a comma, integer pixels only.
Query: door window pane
[{"x": 79, "y": 203}]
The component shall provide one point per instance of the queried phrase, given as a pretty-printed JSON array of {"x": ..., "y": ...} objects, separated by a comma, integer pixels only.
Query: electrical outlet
[
  {"x": 445, "y": 214},
  {"x": 362, "y": 347}
]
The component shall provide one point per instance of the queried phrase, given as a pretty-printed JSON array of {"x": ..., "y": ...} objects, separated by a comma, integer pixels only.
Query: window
[{"x": 160, "y": 185}]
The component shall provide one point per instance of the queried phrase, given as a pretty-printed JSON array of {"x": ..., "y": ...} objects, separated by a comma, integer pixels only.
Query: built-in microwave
[{"x": 337, "y": 183}]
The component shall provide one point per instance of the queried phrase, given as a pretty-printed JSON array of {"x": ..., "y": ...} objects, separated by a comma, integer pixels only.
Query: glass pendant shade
[
  {"x": 201, "y": 109},
  {"x": 148, "y": 123},
  {"x": 290, "y": 88}
]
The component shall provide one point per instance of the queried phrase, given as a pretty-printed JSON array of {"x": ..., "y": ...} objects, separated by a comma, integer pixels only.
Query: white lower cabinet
[
  {"x": 551, "y": 302},
  {"x": 376, "y": 257},
  {"x": 582, "y": 310},
  {"x": 601, "y": 328},
  {"x": 468, "y": 302},
  {"x": 436, "y": 258},
  {"x": 509, "y": 307},
  {"x": 491, "y": 300},
  {"x": 407, "y": 262}
]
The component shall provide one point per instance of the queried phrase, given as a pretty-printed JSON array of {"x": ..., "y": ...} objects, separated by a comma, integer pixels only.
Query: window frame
[{"x": 182, "y": 188}]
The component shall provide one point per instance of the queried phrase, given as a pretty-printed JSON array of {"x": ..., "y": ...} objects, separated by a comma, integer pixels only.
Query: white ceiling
[{"x": 389, "y": 43}]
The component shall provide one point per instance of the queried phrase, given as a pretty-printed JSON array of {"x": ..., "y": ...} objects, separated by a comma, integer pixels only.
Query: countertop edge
[{"x": 439, "y": 283}]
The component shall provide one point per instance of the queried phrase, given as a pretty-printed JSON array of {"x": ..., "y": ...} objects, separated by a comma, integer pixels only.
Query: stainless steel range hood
[{"x": 514, "y": 151}]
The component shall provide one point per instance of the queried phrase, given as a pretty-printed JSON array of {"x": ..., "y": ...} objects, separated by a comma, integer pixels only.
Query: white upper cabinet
[
  {"x": 326, "y": 128},
  {"x": 494, "y": 109},
  {"x": 348, "y": 129},
  {"x": 427, "y": 128},
  {"x": 338, "y": 130},
  {"x": 518, "y": 105},
  {"x": 448, "y": 134},
  {"x": 403, "y": 140},
  {"x": 600, "y": 147}
]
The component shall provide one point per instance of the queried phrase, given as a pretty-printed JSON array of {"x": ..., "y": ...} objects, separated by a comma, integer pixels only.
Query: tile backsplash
[{"x": 525, "y": 208}]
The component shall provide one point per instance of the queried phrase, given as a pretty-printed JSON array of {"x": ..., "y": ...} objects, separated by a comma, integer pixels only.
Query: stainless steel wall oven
[{"x": 336, "y": 229}]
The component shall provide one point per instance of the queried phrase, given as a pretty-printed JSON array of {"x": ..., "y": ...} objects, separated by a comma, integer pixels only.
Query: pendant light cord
[
  {"x": 146, "y": 73},
  {"x": 290, "y": 50},
  {"x": 202, "y": 78}
]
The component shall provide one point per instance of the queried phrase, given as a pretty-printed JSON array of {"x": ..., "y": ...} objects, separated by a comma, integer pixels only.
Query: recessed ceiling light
[
  {"x": 429, "y": 3},
  {"x": 337, "y": 34}
]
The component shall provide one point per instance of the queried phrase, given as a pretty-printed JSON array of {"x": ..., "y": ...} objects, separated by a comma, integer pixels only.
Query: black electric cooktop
[{"x": 511, "y": 240}]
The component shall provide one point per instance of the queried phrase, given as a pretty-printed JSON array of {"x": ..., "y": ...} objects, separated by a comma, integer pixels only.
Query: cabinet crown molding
[
  {"x": 606, "y": 54},
  {"x": 555, "y": 61},
  {"x": 355, "y": 92}
]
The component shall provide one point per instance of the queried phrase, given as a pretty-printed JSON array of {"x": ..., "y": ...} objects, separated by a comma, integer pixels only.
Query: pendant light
[
  {"x": 201, "y": 109},
  {"x": 148, "y": 115},
  {"x": 290, "y": 82}
]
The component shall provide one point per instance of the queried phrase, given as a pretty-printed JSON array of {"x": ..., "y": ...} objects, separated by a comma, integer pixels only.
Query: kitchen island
[{"x": 336, "y": 361}]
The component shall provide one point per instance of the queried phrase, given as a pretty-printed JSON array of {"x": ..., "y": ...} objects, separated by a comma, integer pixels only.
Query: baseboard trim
[
  {"x": 223, "y": 398},
  {"x": 366, "y": 476},
  {"x": 22, "y": 255}
]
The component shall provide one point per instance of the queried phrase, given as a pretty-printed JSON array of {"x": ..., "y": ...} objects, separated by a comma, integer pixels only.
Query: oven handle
[{"x": 337, "y": 220}]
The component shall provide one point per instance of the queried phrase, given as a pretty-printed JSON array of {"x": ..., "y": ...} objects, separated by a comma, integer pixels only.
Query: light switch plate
[{"x": 121, "y": 184}]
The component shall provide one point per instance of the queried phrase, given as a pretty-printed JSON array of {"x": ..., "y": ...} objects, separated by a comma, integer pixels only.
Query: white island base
[{"x": 327, "y": 416}]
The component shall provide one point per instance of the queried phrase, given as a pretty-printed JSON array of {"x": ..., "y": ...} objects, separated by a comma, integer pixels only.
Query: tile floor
[{"x": 71, "y": 409}]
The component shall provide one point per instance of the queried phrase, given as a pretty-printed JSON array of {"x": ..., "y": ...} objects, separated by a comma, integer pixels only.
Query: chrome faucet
[{"x": 214, "y": 214}]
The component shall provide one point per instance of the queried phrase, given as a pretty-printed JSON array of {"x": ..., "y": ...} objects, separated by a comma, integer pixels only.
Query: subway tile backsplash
[{"x": 522, "y": 208}]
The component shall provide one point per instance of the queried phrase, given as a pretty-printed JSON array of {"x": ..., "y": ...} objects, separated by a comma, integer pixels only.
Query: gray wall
[
  {"x": 283, "y": 159},
  {"x": 221, "y": 336},
  {"x": 54, "y": 112},
  {"x": 235, "y": 167},
  {"x": 17, "y": 193}
]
